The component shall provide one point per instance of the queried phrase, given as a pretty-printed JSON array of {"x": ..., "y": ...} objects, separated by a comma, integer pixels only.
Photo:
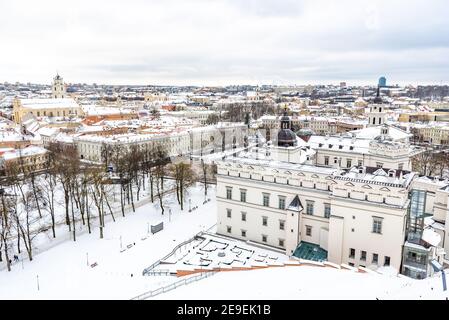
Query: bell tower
[
  {"x": 376, "y": 116},
  {"x": 58, "y": 88}
]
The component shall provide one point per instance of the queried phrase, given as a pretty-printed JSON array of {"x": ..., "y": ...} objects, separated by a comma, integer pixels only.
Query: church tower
[
  {"x": 58, "y": 88},
  {"x": 376, "y": 116},
  {"x": 286, "y": 137}
]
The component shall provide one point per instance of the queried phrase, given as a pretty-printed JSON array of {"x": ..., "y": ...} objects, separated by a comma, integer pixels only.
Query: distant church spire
[
  {"x": 58, "y": 88},
  {"x": 378, "y": 99},
  {"x": 286, "y": 137}
]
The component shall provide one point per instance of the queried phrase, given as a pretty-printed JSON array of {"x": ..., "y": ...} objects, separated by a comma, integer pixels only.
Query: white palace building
[{"x": 368, "y": 211}]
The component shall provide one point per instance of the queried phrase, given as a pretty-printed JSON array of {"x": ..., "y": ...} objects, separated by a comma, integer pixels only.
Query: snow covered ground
[
  {"x": 210, "y": 251},
  {"x": 63, "y": 269},
  {"x": 63, "y": 273},
  {"x": 307, "y": 283}
]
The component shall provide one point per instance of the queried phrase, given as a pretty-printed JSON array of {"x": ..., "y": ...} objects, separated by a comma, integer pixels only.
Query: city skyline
[{"x": 225, "y": 42}]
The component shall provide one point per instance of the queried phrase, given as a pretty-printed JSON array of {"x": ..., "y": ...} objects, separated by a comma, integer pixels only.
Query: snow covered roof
[
  {"x": 343, "y": 143},
  {"x": 268, "y": 163},
  {"x": 47, "y": 131},
  {"x": 12, "y": 135},
  {"x": 372, "y": 132},
  {"x": 431, "y": 237},
  {"x": 93, "y": 110},
  {"x": 25, "y": 152},
  {"x": 379, "y": 176},
  {"x": 49, "y": 103}
]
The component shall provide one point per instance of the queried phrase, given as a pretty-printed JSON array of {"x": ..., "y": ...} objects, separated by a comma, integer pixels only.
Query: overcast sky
[{"x": 207, "y": 42}]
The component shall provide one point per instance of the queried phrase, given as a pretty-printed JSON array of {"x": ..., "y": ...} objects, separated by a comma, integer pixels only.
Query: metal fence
[
  {"x": 158, "y": 262},
  {"x": 174, "y": 285},
  {"x": 158, "y": 272}
]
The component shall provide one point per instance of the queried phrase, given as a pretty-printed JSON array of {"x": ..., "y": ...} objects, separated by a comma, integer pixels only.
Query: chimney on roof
[{"x": 362, "y": 170}]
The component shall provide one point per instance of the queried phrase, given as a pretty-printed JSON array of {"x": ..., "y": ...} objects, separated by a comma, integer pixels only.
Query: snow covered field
[
  {"x": 63, "y": 273},
  {"x": 64, "y": 269}
]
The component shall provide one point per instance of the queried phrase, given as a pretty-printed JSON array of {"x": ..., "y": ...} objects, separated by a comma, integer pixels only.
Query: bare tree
[
  {"x": 120, "y": 162},
  {"x": 28, "y": 225},
  {"x": 96, "y": 182},
  {"x": 208, "y": 174},
  {"x": 184, "y": 176},
  {"x": 5, "y": 225},
  {"x": 425, "y": 162},
  {"x": 159, "y": 173},
  {"x": 48, "y": 192}
]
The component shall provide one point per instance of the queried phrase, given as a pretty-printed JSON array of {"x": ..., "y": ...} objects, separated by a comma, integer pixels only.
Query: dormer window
[
  {"x": 330, "y": 146},
  {"x": 340, "y": 147},
  {"x": 320, "y": 145},
  {"x": 351, "y": 148},
  {"x": 391, "y": 173}
]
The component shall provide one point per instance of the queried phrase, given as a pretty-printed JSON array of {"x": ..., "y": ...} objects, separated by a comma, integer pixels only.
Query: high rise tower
[
  {"x": 58, "y": 88},
  {"x": 377, "y": 113}
]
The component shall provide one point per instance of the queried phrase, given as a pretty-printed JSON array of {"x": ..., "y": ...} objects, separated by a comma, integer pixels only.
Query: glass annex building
[{"x": 417, "y": 253}]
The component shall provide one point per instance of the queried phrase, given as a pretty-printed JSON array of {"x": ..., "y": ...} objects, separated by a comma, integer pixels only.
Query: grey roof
[{"x": 296, "y": 205}]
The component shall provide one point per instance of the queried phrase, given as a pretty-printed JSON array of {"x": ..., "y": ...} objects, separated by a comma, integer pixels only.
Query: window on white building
[
  {"x": 281, "y": 224},
  {"x": 264, "y": 238},
  {"x": 309, "y": 209},
  {"x": 309, "y": 231},
  {"x": 379, "y": 164},
  {"x": 282, "y": 203},
  {"x": 375, "y": 258},
  {"x": 348, "y": 163},
  {"x": 351, "y": 253},
  {"x": 363, "y": 256},
  {"x": 243, "y": 195},
  {"x": 228, "y": 213},
  {"x": 326, "y": 160},
  {"x": 266, "y": 200},
  {"x": 281, "y": 242},
  {"x": 243, "y": 233},
  {"x": 228, "y": 192},
  {"x": 327, "y": 210},
  {"x": 387, "y": 261},
  {"x": 228, "y": 229},
  {"x": 264, "y": 221},
  {"x": 377, "y": 225},
  {"x": 243, "y": 216}
]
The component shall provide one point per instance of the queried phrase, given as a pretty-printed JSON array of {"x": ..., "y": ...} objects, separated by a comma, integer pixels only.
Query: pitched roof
[{"x": 295, "y": 205}]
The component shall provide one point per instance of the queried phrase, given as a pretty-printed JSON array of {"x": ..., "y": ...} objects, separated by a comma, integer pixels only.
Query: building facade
[{"x": 359, "y": 215}]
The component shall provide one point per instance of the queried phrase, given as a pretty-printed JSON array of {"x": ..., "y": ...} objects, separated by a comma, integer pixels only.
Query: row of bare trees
[
  {"x": 80, "y": 195},
  {"x": 432, "y": 163}
]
